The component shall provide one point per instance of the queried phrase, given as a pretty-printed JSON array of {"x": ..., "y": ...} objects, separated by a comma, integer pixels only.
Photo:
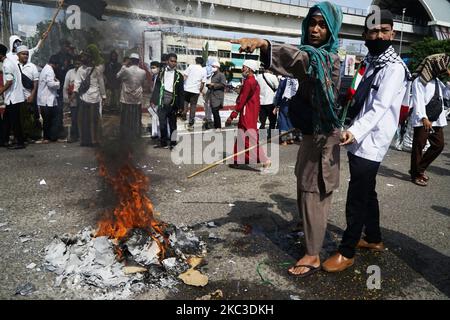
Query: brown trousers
[
  {"x": 315, "y": 208},
  {"x": 419, "y": 161}
]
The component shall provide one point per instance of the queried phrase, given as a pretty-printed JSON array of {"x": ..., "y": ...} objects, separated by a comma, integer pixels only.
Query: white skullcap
[
  {"x": 252, "y": 64},
  {"x": 22, "y": 49},
  {"x": 317, "y": 12},
  {"x": 134, "y": 56}
]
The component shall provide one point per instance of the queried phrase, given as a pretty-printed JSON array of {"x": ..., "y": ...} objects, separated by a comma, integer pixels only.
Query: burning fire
[{"x": 134, "y": 209}]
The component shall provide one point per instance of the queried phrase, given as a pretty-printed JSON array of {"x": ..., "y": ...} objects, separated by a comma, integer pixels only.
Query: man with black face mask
[{"x": 380, "y": 96}]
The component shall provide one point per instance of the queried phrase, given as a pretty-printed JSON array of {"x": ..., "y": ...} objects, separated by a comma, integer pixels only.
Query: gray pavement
[{"x": 253, "y": 243}]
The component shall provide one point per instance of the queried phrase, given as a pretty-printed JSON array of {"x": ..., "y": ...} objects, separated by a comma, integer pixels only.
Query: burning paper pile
[
  {"x": 87, "y": 262},
  {"x": 130, "y": 250}
]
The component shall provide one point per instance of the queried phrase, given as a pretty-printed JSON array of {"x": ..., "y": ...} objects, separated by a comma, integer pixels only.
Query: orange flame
[{"x": 134, "y": 210}]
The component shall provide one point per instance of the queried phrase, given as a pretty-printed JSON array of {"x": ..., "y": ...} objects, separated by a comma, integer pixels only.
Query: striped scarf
[{"x": 432, "y": 67}]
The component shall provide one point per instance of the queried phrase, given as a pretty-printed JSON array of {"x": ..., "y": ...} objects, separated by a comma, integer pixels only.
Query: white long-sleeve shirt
[
  {"x": 31, "y": 71},
  {"x": 11, "y": 72},
  {"x": 97, "y": 89},
  {"x": 267, "y": 95},
  {"x": 14, "y": 57},
  {"x": 48, "y": 88},
  {"x": 421, "y": 96},
  {"x": 375, "y": 127}
]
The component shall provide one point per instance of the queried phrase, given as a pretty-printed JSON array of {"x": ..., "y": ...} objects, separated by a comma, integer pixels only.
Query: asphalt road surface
[{"x": 253, "y": 243}]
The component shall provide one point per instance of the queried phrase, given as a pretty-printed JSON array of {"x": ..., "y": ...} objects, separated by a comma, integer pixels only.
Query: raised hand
[{"x": 249, "y": 45}]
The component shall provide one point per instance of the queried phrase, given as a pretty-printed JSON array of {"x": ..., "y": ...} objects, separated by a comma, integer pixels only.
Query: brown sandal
[{"x": 420, "y": 181}]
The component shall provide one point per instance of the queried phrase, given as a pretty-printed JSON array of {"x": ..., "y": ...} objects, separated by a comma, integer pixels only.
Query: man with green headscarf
[{"x": 316, "y": 65}]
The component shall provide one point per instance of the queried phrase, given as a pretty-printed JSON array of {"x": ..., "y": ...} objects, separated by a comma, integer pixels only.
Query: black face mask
[{"x": 378, "y": 46}]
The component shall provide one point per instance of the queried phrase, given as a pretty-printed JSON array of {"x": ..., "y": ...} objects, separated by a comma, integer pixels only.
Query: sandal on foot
[
  {"x": 312, "y": 270},
  {"x": 420, "y": 181}
]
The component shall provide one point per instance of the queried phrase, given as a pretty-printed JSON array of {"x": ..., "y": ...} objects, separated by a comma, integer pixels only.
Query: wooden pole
[
  {"x": 61, "y": 4},
  {"x": 217, "y": 163}
]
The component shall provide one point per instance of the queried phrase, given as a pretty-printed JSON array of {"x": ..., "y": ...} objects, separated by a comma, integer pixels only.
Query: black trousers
[
  {"x": 362, "y": 208},
  {"x": 50, "y": 125},
  {"x": 3, "y": 140},
  {"x": 167, "y": 115},
  {"x": 74, "y": 131},
  {"x": 267, "y": 112},
  {"x": 217, "y": 119},
  {"x": 13, "y": 123}
]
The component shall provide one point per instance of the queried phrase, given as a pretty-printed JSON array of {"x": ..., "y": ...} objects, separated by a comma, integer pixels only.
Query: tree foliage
[
  {"x": 227, "y": 68},
  {"x": 80, "y": 39},
  {"x": 429, "y": 46}
]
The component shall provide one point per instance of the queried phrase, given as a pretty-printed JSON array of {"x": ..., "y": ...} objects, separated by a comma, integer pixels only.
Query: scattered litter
[
  {"x": 52, "y": 213},
  {"x": 211, "y": 225},
  {"x": 3, "y": 224},
  {"x": 213, "y": 236},
  {"x": 117, "y": 269},
  {"x": 390, "y": 185},
  {"x": 26, "y": 251},
  {"x": 26, "y": 289},
  {"x": 194, "y": 278},
  {"x": 134, "y": 270},
  {"x": 52, "y": 221},
  {"x": 86, "y": 168},
  {"x": 357, "y": 272},
  {"x": 212, "y": 296},
  {"x": 24, "y": 239},
  {"x": 7, "y": 230},
  {"x": 93, "y": 169},
  {"x": 296, "y": 298},
  {"x": 194, "y": 262},
  {"x": 98, "y": 190},
  {"x": 442, "y": 234},
  {"x": 224, "y": 178},
  {"x": 43, "y": 183},
  {"x": 178, "y": 191},
  {"x": 231, "y": 205},
  {"x": 232, "y": 262},
  {"x": 68, "y": 163},
  {"x": 31, "y": 266}
]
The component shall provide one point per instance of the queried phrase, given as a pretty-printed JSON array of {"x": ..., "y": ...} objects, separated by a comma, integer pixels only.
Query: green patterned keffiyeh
[
  {"x": 94, "y": 52},
  {"x": 321, "y": 66}
]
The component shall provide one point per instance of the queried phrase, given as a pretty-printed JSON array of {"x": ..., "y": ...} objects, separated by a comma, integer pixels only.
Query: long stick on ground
[{"x": 217, "y": 163}]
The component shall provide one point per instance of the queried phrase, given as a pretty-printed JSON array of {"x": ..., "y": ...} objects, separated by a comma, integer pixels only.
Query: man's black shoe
[{"x": 17, "y": 147}]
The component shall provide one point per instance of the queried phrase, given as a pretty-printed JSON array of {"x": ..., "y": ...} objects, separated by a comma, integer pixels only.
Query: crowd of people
[{"x": 304, "y": 98}]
